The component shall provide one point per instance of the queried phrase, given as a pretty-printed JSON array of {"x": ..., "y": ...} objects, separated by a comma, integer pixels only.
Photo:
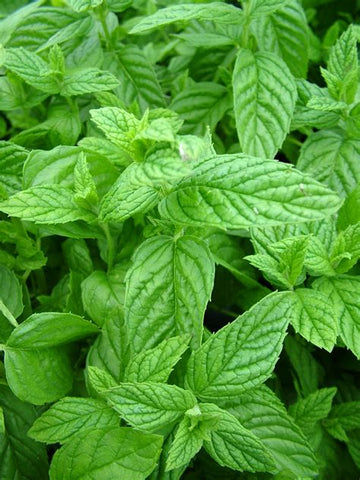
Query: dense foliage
[{"x": 179, "y": 238}]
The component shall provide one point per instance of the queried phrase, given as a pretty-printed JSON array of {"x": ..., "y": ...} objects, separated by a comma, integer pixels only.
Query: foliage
[{"x": 179, "y": 240}]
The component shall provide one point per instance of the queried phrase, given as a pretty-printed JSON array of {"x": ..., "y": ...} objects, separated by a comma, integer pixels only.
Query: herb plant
[{"x": 179, "y": 238}]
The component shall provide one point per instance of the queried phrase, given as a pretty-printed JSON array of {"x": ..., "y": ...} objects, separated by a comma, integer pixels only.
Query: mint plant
[{"x": 179, "y": 240}]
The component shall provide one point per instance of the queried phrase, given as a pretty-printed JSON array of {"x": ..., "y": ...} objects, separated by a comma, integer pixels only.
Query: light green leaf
[
  {"x": 87, "y": 80},
  {"x": 12, "y": 159},
  {"x": 262, "y": 413},
  {"x": 44, "y": 330},
  {"x": 39, "y": 376},
  {"x": 325, "y": 104},
  {"x": 46, "y": 21},
  {"x": 83, "y": 5},
  {"x": 156, "y": 364},
  {"x": 313, "y": 317},
  {"x": 239, "y": 191},
  {"x": 306, "y": 117},
  {"x": 241, "y": 355},
  {"x": 343, "y": 293},
  {"x": 118, "y": 125},
  {"x": 78, "y": 28},
  {"x": 341, "y": 75},
  {"x": 9, "y": 24},
  {"x": 309, "y": 411},
  {"x": 270, "y": 267},
  {"x": 285, "y": 33},
  {"x": 264, "y": 102},
  {"x": 103, "y": 295},
  {"x": 186, "y": 444},
  {"x": 31, "y": 68},
  {"x": 331, "y": 157},
  {"x": 201, "y": 105},
  {"x": 100, "y": 379},
  {"x": 149, "y": 406},
  {"x": 220, "y": 12},
  {"x": 168, "y": 287},
  {"x": 139, "y": 187},
  {"x": 349, "y": 213},
  {"x": 258, "y": 8},
  {"x": 291, "y": 253},
  {"x": 69, "y": 416},
  {"x": 50, "y": 204},
  {"x": 234, "y": 446},
  {"x": 51, "y": 166},
  {"x": 111, "y": 452},
  {"x": 21, "y": 457},
  {"x": 86, "y": 195},
  {"x": 346, "y": 251},
  {"x": 118, "y": 5}
]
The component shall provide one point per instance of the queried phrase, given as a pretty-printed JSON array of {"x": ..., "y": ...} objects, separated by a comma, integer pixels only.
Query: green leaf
[
  {"x": 69, "y": 416},
  {"x": 303, "y": 115},
  {"x": 87, "y": 80},
  {"x": 39, "y": 376},
  {"x": 11, "y": 301},
  {"x": 346, "y": 415},
  {"x": 258, "y": 8},
  {"x": 83, "y": 5},
  {"x": 9, "y": 24},
  {"x": 50, "y": 204},
  {"x": 156, "y": 364},
  {"x": 44, "y": 330},
  {"x": 109, "y": 452},
  {"x": 77, "y": 255},
  {"x": 264, "y": 102},
  {"x": 103, "y": 295},
  {"x": 168, "y": 287},
  {"x": 341, "y": 75},
  {"x": 47, "y": 21},
  {"x": 239, "y": 191},
  {"x": 54, "y": 166},
  {"x": 313, "y": 317},
  {"x": 139, "y": 187},
  {"x": 349, "y": 213},
  {"x": 110, "y": 350},
  {"x": 343, "y": 293},
  {"x": 118, "y": 125},
  {"x": 285, "y": 33},
  {"x": 270, "y": 267},
  {"x": 32, "y": 69},
  {"x": 186, "y": 444},
  {"x": 149, "y": 406},
  {"x": 201, "y": 105},
  {"x": 12, "y": 159},
  {"x": 21, "y": 457},
  {"x": 330, "y": 157},
  {"x": 306, "y": 370},
  {"x": 242, "y": 354},
  {"x": 220, "y": 12},
  {"x": 309, "y": 411},
  {"x": 137, "y": 77},
  {"x": 346, "y": 251},
  {"x": 234, "y": 446},
  {"x": 261, "y": 412}
]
